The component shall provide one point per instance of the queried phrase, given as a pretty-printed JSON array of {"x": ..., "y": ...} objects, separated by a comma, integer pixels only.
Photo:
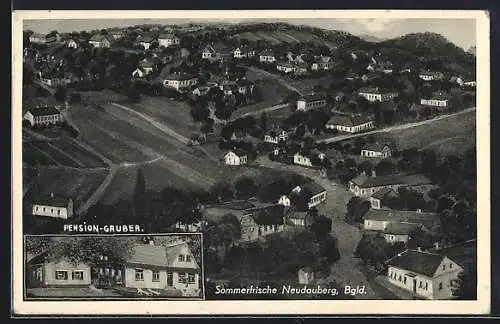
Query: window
[
  {"x": 139, "y": 275},
  {"x": 399, "y": 278},
  {"x": 444, "y": 267},
  {"x": 451, "y": 265},
  {"x": 404, "y": 280},
  {"x": 440, "y": 286},
  {"x": 451, "y": 283},
  {"x": 420, "y": 284},
  {"x": 188, "y": 258},
  {"x": 182, "y": 277},
  {"x": 426, "y": 285},
  {"x": 77, "y": 275},
  {"x": 181, "y": 258},
  {"x": 156, "y": 275},
  {"x": 191, "y": 278},
  {"x": 61, "y": 275}
]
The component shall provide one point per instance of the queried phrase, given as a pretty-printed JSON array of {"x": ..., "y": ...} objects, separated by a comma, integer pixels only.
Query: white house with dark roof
[
  {"x": 430, "y": 75},
  {"x": 399, "y": 232},
  {"x": 243, "y": 52},
  {"x": 101, "y": 41},
  {"x": 163, "y": 267},
  {"x": 180, "y": 81},
  {"x": 376, "y": 150},
  {"x": 167, "y": 39},
  {"x": 364, "y": 186},
  {"x": 236, "y": 157},
  {"x": 217, "y": 52},
  {"x": 437, "y": 99},
  {"x": 267, "y": 56},
  {"x": 276, "y": 135},
  {"x": 377, "y": 94},
  {"x": 311, "y": 101},
  {"x": 424, "y": 274},
  {"x": 378, "y": 220},
  {"x": 322, "y": 63},
  {"x": 378, "y": 198},
  {"x": 43, "y": 116},
  {"x": 315, "y": 194},
  {"x": 145, "y": 41},
  {"x": 350, "y": 124},
  {"x": 54, "y": 206}
]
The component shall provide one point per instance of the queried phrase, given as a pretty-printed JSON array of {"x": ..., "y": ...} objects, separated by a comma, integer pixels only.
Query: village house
[
  {"x": 243, "y": 52},
  {"x": 364, "y": 186},
  {"x": 276, "y": 135},
  {"x": 292, "y": 67},
  {"x": 302, "y": 159},
  {"x": 322, "y": 63},
  {"x": 438, "y": 99},
  {"x": 139, "y": 73},
  {"x": 267, "y": 56},
  {"x": 350, "y": 124},
  {"x": 101, "y": 41},
  {"x": 379, "y": 219},
  {"x": 37, "y": 38},
  {"x": 296, "y": 218},
  {"x": 314, "y": 194},
  {"x": 311, "y": 101},
  {"x": 424, "y": 274},
  {"x": 399, "y": 232},
  {"x": 306, "y": 276},
  {"x": 430, "y": 76},
  {"x": 145, "y": 41},
  {"x": 43, "y": 272},
  {"x": 257, "y": 219},
  {"x": 245, "y": 86},
  {"x": 201, "y": 91},
  {"x": 52, "y": 205},
  {"x": 468, "y": 83},
  {"x": 116, "y": 33},
  {"x": 162, "y": 267},
  {"x": 379, "y": 197},
  {"x": 43, "y": 116},
  {"x": 376, "y": 150},
  {"x": 236, "y": 157},
  {"x": 180, "y": 80},
  {"x": 167, "y": 40},
  {"x": 52, "y": 39},
  {"x": 376, "y": 94},
  {"x": 147, "y": 65},
  {"x": 217, "y": 52},
  {"x": 72, "y": 43}
]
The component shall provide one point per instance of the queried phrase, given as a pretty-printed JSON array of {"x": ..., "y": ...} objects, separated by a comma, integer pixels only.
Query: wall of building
[
  {"x": 50, "y": 279},
  {"x": 51, "y": 211},
  {"x": 397, "y": 276}
]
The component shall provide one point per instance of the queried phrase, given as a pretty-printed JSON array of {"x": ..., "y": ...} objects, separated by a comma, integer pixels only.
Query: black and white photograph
[
  {"x": 321, "y": 157},
  {"x": 113, "y": 267}
]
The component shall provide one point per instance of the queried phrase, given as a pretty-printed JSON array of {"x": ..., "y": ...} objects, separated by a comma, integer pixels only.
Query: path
[
  {"x": 275, "y": 77},
  {"x": 346, "y": 270},
  {"x": 393, "y": 128},
  {"x": 268, "y": 109},
  {"x": 162, "y": 127},
  {"x": 96, "y": 195}
]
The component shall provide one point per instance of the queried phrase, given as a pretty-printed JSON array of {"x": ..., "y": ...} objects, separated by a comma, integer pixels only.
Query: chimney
[{"x": 373, "y": 173}]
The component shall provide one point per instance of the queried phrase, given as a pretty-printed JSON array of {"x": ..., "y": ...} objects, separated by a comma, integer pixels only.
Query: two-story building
[
  {"x": 311, "y": 101},
  {"x": 101, "y": 41},
  {"x": 55, "y": 206},
  {"x": 236, "y": 157},
  {"x": 377, "y": 94},
  {"x": 43, "y": 116},
  {"x": 350, "y": 124},
  {"x": 267, "y": 56},
  {"x": 180, "y": 80},
  {"x": 168, "y": 39},
  {"x": 364, "y": 186},
  {"x": 426, "y": 275}
]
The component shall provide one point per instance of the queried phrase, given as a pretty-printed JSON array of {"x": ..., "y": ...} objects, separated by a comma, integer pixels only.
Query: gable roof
[
  {"x": 312, "y": 187},
  {"x": 146, "y": 39},
  {"x": 180, "y": 76},
  {"x": 44, "y": 111},
  {"x": 52, "y": 200},
  {"x": 382, "y": 193},
  {"x": 312, "y": 97},
  {"x": 400, "y": 228},
  {"x": 101, "y": 38},
  {"x": 267, "y": 52},
  {"x": 460, "y": 253},
  {"x": 349, "y": 121},
  {"x": 167, "y": 36},
  {"x": 156, "y": 255},
  {"x": 424, "y": 263},
  {"x": 375, "y": 90},
  {"x": 393, "y": 179},
  {"x": 375, "y": 147},
  {"x": 402, "y": 216},
  {"x": 237, "y": 152}
]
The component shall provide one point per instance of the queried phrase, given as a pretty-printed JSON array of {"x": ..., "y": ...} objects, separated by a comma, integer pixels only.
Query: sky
[{"x": 461, "y": 32}]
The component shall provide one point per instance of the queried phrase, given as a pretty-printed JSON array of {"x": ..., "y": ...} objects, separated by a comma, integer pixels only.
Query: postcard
[{"x": 311, "y": 162}]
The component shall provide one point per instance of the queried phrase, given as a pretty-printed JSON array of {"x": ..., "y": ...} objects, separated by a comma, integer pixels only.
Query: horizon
[{"x": 460, "y": 32}]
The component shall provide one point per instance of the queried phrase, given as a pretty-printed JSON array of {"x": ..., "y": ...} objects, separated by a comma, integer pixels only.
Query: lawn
[
  {"x": 450, "y": 135},
  {"x": 100, "y": 97},
  {"x": 69, "y": 292},
  {"x": 74, "y": 183}
]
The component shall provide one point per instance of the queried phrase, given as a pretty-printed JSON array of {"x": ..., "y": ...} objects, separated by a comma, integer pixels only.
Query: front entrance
[
  {"x": 415, "y": 286},
  {"x": 170, "y": 279}
]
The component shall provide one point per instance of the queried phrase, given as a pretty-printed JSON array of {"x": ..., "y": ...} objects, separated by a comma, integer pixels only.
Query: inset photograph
[{"x": 166, "y": 266}]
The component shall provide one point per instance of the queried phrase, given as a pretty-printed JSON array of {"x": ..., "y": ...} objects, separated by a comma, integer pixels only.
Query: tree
[
  {"x": 60, "y": 94},
  {"x": 384, "y": 167},
  {"x": 199, "y": 112},
  {"x": 139, "y": 196},
  {"x": 372, "y": 249},
  {"x": 356, "y": 209},
  {"x": 245, "y": 188},
  {"x": 37, "y": 244},
  {"x": 321, "y": 226},
  {"x": 466, "y": 288},
  {"x": 263, "y": 122}
]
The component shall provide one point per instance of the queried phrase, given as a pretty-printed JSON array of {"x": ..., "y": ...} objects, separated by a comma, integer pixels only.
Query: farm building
[
  {"x": 376, "y": 94},
  {"x": 167, "y": 40},
  {"x": 379, "y": 219},
  {"x": 364, "y": 186},
  {"x": 430, "y": 76},
  {"x": 236, "y": 157},
  {"x": 311, "y": 192},
  {"x": 43, "y": 116},
  {"x": 350, "y": 124},
  {"x": 267, "y": 56},
  {"x": 276, "y": 135},
  {"x": 217, "y": 52},
  {"x": 424, "y": 274},
  {"x": 378, "y": 198},
  {"x": 310, "y": 102},
  {"x": 180, "y": 81},
  {"x": 55, "y": 206},
  {"x": 438, "y": 99},
  {"x": 322, "y": 63},
  {"x": 243, "y": 52},
  {"x": 101, "y": 41},
  {"x": 376, "y": 150}
]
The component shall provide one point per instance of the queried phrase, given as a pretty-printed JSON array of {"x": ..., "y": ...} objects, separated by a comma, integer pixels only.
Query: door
[
  {"x": 170, "y": 279},
  {"x": 415, "y": 285}
]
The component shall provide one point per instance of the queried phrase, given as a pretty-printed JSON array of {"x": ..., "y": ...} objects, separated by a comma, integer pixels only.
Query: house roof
[
  {"x": 375, "y": 147},
  {"x": 393, "y": 179},
  {"x": 101, "y": 38},
  {"x": 268, "y": 215},
  {"x": 344, "y": 120},
  {"x": 382, "y": 193},
  {"x": 323, "y": 59},
  {"x": 375, "y": 90},
  {"x": 311, "y": 187},
  {"x": 156, "y": 255},
  {"x": 52, "y": 200},
  {"x": 146, "y": 64},
  {"x": 146, "y": 39},
  {"x": 239, "y": 153},
  {"x": 293, "y": 214},
  {"x": 430, "y": 73},
  {"x": 267, "y": 52},
  {"x": 167, "y": 36},
  {"x": 460, "y": 253},
  {"x": 424, "y": 263},
  {"x": 312, "y": 97},
  {"x": 180, "y": 76},
  {"x": 402, "y": 216},
  {"x": 400, "y": 228},
  {"x": 44, "y": 111},
  {"x": 439, "y": 96}
]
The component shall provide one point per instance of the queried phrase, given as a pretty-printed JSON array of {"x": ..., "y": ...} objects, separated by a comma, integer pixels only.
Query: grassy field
[
  {"x": 450, "y": 135},
  {"x": 62, "y": 152},
  {"x": 74, "y": 183},
  {"x": 278, "y": 37}
]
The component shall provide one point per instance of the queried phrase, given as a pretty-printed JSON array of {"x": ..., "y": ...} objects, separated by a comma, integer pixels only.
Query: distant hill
[{"x": 371, "y": 39}]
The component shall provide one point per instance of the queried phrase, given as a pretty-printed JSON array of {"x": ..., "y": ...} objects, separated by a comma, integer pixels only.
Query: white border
[{"x": 288, "y": 307}]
